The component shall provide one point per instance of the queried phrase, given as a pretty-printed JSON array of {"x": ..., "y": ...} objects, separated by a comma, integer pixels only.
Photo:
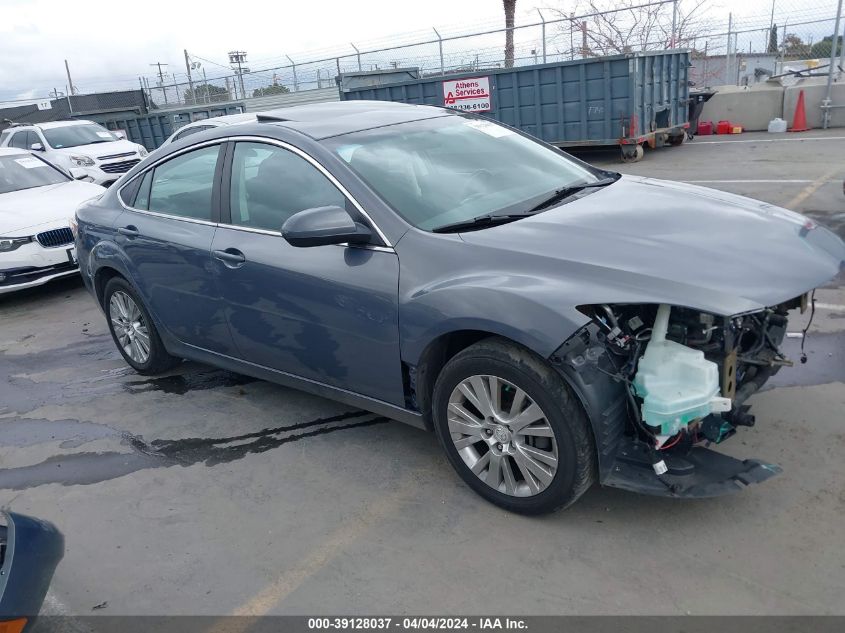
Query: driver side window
[{"x": 270, "y": 184}]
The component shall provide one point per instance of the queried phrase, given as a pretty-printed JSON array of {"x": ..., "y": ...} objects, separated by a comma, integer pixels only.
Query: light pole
[{"x": 236, "y": 60}]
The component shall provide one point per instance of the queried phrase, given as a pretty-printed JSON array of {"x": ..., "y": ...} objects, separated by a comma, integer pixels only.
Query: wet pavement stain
[
  {"x": 180, "y": 384},
  {"x": 71, "y": 433},
  {"x": 91, "y": 468}
]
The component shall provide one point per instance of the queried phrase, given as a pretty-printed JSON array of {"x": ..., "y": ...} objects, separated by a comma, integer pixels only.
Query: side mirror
[
  {"x": 78, "y": 174},
  {"x": 324, "y": 225},
  {"x": 36, "y": 147}
]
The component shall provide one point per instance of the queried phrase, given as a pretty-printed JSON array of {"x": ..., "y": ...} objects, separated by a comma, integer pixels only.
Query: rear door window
[
  {"x": 183, "y": 185},
  {"x": 19, "y": 140}
]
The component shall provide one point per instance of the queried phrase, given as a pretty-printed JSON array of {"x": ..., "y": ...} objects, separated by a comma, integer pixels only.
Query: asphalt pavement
[{"x": 206, "y": 492}]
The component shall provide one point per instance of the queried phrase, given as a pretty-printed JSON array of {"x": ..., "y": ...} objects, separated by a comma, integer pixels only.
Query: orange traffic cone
[{"x": 799, "y": 120}]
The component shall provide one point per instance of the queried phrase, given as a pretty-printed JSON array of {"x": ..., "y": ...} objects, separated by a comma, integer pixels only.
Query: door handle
[
  {"x": 232, "y": 257},
  {"x": 130, "y": 231}
]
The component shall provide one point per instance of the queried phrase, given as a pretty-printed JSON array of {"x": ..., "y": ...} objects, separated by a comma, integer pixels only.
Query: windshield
[
  {"x": 75, "y": 135},
  {"x": 20, "y": 171},
  {"x": 452, "y": 169}
]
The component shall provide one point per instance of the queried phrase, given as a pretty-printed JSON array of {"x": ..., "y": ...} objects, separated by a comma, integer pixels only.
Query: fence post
[
  {"x": 295, "y": 81},
  {"x": 672, "y": 43},
  {"x": 357, "y": 54},
  {"x": 833, "y": 54},
  {"x": 544, "y": 34},
  {"x": 440, "y": 45},
  {"x": 842, "y": 53},
  {"x": 728, "y": 49},
  {"x": 337, "y": 61}
]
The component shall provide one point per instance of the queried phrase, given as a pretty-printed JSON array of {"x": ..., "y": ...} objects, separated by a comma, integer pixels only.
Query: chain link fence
[{"x": 728, "y": 48}]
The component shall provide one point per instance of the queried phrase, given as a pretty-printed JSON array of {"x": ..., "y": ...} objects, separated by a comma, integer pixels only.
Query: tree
[
  {"x": 510, "y": 15},
  {"x": 794, "y": 47},
  {"x": 773, "y": 40},
  {"x": 206, "y": 92},
  {"x": 272, "y": 89},
  {"x": 625, "y": 26},
  {"x": 821, "y": 49}
]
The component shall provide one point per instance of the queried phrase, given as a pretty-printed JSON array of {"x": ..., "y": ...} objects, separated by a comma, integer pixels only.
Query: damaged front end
[{"x": 662, "y": 384}]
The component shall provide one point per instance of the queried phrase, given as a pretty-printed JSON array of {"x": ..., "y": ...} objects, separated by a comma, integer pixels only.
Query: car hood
[
  {"x": 21, "y": 211},
  {"x": 99, "y": 150},
  {"x": 646, "y": 240}
]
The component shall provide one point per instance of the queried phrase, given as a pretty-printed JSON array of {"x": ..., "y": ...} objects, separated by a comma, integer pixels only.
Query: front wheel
[
  {"x": 512, "y": 428},
  {"x": 133, "y": 330}
]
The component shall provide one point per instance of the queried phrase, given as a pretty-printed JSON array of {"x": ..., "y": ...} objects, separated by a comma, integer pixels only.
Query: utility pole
[
  {"x": 161, "y": 80},
  {"x": 69, "y": 80},
  {"x": 190, "y": 79},
  {"x": 237, "y": 59}
]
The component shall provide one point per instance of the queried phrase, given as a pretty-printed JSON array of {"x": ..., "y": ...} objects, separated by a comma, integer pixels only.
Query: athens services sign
[{"x": 471, "y": 94}]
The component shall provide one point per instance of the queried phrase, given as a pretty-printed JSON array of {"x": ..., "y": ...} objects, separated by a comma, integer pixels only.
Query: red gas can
[
  {"x": 723, "y": 127},
  {"x": 705, "y": 128}
]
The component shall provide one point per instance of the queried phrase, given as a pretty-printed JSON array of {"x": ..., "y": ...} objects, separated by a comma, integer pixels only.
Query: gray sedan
[{"x": 553, "y": 323}]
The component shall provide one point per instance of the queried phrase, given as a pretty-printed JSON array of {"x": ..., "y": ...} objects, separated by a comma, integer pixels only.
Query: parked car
[
  {"x": 30, "y": 549},
  {"x": 207, "y": 124},
  {"x": 37, "y": 201},
  {"x": 85, "y": 145},
  {"x": 554, "y": 323}
]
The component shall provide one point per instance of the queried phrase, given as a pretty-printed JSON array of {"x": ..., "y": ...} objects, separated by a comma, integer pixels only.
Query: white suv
[{"x": 82, "y": 145}]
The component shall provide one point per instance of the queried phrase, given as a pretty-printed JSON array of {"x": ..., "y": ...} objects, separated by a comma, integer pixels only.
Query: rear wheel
[
  {"x": 133, "y": 331},
  {"x": 512, "y": 428}
]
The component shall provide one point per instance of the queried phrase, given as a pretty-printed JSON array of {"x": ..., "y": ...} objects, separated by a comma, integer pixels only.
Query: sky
[{"x": 109, "y": 49}]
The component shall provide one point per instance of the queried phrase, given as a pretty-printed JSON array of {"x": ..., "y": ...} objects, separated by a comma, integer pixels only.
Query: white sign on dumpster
[
  {"x": 472, "y": 95},
  {"x": 44, "y": 105}
]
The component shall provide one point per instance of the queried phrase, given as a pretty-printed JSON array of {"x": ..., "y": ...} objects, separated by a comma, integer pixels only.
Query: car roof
[
  {"x": 322, "y": 120},
  {"x": 228, "y": 119},
  {"x": 51, "y": 124}
]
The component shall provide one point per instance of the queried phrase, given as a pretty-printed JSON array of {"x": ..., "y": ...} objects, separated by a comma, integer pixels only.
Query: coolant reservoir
[{"x": 677, "y": 384}]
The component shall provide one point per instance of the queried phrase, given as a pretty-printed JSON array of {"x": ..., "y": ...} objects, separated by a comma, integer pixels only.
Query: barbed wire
[{"x": 553, "y": 37}]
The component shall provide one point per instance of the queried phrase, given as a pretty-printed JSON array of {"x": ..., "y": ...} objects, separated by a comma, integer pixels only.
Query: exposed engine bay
[{"x": 684, "y": 377}]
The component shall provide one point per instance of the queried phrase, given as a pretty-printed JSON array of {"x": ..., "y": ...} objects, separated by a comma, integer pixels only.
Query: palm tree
[{"x": 510, "y": 11}]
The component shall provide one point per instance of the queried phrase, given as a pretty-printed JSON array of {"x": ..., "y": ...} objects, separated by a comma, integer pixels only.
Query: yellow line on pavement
[
  {"x": 810, "y": 189},
  {"x": 292, "y": 578}
]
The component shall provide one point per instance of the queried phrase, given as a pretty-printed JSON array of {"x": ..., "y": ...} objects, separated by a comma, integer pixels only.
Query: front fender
[{"x": 508, "y": 306}]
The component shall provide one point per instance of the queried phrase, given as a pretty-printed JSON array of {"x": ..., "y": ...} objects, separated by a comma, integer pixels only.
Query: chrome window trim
[
  {"x": 249, "y": 229},
  {"x": 153, "y": 165},
  {"x": 388, "y": 247}
]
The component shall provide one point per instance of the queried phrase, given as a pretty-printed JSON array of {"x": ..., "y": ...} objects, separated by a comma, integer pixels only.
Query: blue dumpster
[{"x": 626, "y": 100}]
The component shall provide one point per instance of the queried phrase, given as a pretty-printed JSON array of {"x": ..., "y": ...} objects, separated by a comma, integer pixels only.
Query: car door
[
  {"x": 166, "y": 233},
  {"x": 326, "y": 313}
]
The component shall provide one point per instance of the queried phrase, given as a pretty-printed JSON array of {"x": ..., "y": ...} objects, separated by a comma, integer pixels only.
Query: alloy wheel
[
  {"x": 130, "y": 327},
  {"x": 502, "y": 435}
]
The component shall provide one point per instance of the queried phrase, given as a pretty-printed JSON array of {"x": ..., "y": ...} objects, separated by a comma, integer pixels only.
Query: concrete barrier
[
  {"x": 752, "y": 107},
  {"x": 815, "y": 90}
]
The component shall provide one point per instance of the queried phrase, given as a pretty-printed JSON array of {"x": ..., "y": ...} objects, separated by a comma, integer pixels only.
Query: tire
[
  {"x": 632, "y": 155},
  {"x": 156, "y": 360},
  {"x": 565, "y": 431}
]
